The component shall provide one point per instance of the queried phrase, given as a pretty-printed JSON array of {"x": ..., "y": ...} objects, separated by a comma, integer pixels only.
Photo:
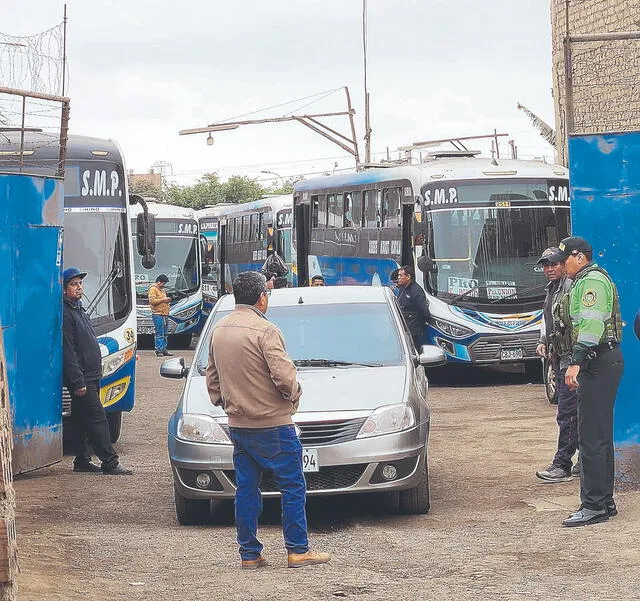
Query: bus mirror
[
  {"x": 146, "y": 236},
  {"x": 427, "y": 265},
  {"x": 148, "y": 261},
  {"x": 206, "y": 269}
]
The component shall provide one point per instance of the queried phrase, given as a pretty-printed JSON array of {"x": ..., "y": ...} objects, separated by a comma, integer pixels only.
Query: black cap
[
  {"x": 570, "y": 246},
  {"x": 162, "y": 278},
  {"x": 546, "y": 256}
]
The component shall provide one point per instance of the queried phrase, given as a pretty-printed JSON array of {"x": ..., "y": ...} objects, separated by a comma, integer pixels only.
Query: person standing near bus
[
  {"x": 561, "y": 468},
  {"x": 159, "y": 302},
  {"x": 413, "y": 304},
  {"x": 591, "y": 332},
  {"x": 82, "y": 369}
]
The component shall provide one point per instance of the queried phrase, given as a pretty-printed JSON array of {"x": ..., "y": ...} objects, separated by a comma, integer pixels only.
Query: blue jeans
[
  {"x": 567, "y": 419},
  {"x": 160, "y": 324},
  {"x": 277, "y": 450}
]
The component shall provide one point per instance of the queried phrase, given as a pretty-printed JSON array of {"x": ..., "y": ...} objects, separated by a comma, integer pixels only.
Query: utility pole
[{"x": 367, "y": 119}]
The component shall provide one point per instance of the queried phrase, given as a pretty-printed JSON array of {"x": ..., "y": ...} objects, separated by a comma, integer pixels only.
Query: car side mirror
[
  {"x": 174, "y": 369},
  {"x": 431, "y": 355}
]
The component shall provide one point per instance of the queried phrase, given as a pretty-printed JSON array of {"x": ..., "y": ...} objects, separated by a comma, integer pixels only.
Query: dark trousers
[
  {"x": 599, "y": 379},
  {"x": 567, "y": 419},
  {"x": 278, "y": 451},
  {"x": 89, "y": 424}
]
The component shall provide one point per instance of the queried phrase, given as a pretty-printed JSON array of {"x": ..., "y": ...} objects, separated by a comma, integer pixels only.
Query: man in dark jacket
[
  {"x": 413, "y": 304},
  {"x": 82, "y": 369}
]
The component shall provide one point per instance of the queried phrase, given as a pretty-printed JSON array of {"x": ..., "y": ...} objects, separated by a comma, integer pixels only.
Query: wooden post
[{"x": 8, "y": 545}]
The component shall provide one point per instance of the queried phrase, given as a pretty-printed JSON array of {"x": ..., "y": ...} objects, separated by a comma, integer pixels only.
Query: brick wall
[{"x": 606, "y": 75}]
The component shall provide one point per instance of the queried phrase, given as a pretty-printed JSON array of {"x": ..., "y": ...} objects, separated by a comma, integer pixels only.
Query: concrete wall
[{"x": 606, "y": 88}]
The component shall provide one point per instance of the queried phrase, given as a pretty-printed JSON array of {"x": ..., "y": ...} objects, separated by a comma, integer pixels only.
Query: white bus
[
  {"x": 472, "y": 227},
  {"x": 177, "y": 252}
]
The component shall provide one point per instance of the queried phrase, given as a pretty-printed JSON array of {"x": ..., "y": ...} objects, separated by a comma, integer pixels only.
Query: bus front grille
[{"x": 487, "y": 348}]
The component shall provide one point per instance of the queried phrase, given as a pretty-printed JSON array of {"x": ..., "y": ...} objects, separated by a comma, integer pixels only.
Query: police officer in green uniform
[{"x": 590, "y": 329}]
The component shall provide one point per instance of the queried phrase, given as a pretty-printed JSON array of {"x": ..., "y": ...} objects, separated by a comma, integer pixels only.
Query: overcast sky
[{"x": 140, "y": 70}]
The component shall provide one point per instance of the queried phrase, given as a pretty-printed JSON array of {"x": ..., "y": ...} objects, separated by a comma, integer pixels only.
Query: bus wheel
[
  {"x": 115, "y": 424},
  {"x": 182, "y": 341}
]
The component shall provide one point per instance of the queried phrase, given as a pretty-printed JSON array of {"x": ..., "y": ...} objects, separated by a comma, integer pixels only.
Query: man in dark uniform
[
  {"x": 561, "y": 468},
  {"x": 82, "y": 369},
  {"x": 413, "y": 304},
  {"x": 590, "y": 326}
]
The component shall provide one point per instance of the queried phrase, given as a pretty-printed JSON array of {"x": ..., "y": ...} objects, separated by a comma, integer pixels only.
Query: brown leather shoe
[
  {"x": 254, "y": 564},
  {"x": 310, "y": 558}
]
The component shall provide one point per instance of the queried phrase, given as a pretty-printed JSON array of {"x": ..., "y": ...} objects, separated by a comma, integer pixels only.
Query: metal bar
[
  {"x": 64, "y": 135},
  {"x": 64, "y": 50},
  {"x": 353, "y": 126},
  {"x": 278, "y": 119},
  {"x": 24, "y": 113},
  {"x": 28, "y": 94},
  {"x": 333, "y": 131},
  {"x": 458, "y": 139},
  {"x": 605, "y": 37},
  {"x": 319, "y": 131},
  {"x": 35, "y": 130}
]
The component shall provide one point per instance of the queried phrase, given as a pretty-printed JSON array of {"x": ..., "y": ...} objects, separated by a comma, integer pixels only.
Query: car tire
[
  {"x": 115, "y": 425},
  {"x": 417, "y": 500},
  {"x": 191, "y": 512},
  {"x": 550, "y": 384}
]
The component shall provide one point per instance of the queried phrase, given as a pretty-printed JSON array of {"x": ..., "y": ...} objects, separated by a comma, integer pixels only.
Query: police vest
[{"x": 567, "y": 334}]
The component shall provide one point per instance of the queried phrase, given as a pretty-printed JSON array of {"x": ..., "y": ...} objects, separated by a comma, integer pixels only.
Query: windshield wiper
[
  {"x": 465, "y": 293},
  {"x": 115, "y": 273},
  {"x": 529, "y": 289},
  {"x": 331, "y": 363}
]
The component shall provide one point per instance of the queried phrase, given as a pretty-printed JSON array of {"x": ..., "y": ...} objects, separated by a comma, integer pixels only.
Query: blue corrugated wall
[
  {"x": 605, "y": 208},
  {"x": 31, "y": 211}
]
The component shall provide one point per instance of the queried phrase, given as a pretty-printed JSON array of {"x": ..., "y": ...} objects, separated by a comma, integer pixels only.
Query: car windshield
[
  {"x": 95, "y": 242},
  {"x": 358, "y": 333},
  {"x": 177, "y": 258}
]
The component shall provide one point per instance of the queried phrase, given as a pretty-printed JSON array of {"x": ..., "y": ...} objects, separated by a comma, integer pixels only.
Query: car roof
[{"x": 320, "y": 295}]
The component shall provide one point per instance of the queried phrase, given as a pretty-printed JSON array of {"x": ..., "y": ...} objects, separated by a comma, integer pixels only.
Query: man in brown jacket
[
  {"x": 251, "y": 376},
  {"x": 159, "y": 303}
]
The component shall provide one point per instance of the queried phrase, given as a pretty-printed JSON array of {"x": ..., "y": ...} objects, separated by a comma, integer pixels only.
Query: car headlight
[
  {"x": 387, "y": 420},
  {"x": 201, "y": 428},
  {"x": 113, "y": 363},
  {"x": 187, "y": 313},
  {"x": 451, "y": 329}
]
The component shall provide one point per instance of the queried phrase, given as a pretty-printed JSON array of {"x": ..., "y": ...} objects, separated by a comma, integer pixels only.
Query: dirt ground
[{"x": 493, "y": 531}]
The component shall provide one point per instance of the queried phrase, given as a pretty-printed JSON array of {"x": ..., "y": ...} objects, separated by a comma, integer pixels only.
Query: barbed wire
[{"x": 33, "y": 63}]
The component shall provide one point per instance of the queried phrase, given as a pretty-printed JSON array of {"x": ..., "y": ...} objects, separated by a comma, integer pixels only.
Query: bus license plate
[
  {"x": 509, "y": 354},
  {"x": 310, "y": 460},
  {"x": 147, "y": 330}
]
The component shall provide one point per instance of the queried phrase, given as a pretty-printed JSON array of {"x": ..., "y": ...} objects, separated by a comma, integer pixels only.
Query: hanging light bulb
[{"x": 209, "y": 140}]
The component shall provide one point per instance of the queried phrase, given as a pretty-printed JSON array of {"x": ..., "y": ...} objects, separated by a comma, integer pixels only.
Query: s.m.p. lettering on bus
[{"x": 100, "y": 182}]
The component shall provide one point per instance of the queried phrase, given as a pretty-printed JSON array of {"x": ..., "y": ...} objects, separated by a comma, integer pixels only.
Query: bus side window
[
  {"x": 335, "y": 210},
  {"x": 391, "y": 207},
  {"x": 352, "y": 209},
  {"x": 238, "y": 235},
  {"x": 380, "y": 216},
  {"x": 253, "y": 234},
  {"x": 322, "y": 211},
  {"x": 260, "y": 233},
  {"x": 315, "y": 207},
  {"x": 231, "y": 228},
  {"x": 370, "y": 209}
]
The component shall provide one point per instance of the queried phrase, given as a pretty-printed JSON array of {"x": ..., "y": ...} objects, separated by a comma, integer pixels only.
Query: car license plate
[
  {"x": 146, "y": 330},
  {"x": 310, "y": 460},
  {"x": 509, "y": 354}
]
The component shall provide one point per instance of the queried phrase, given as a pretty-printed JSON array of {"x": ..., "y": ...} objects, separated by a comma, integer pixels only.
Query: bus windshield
[
  {"x": 485, "y": 255},
  {"x": 177, "y": 258},
  {"x": 95, "y": 242}
]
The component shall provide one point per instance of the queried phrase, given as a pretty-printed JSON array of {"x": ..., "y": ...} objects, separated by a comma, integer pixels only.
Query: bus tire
[
  {"x": 416, "y": 500},
  {"x": 191, "y": 512},
  {"x": 181, "y": 341},
  {"x": 115, "y": 425}
]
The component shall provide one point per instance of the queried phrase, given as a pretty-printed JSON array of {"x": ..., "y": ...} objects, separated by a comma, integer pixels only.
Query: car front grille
[
  {"x": 327, "y": 478},
  {"x": 315, "y": 434},
  {"x": 321, "y": 433},
  {"x": 487, "y": 348}
]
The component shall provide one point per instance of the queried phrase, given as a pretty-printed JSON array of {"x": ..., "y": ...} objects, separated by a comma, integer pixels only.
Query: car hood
[{"x": 325, "y": 389}]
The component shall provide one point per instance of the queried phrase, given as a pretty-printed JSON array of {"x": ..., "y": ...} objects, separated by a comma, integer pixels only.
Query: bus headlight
[
  {"x": 451, "y": 329},
  {"x": 388, "y": 420},
  {"x": 187, "y": 313},
  {"x": 201, "y": 428},
  {"x": 113, "y": 363}
]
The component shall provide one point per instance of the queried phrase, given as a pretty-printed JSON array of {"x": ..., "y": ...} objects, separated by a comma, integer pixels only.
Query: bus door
[{"x": 302, "y": 225}]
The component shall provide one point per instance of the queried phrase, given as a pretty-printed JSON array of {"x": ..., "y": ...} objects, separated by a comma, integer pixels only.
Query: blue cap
[{"x": 72, "y": 272}]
